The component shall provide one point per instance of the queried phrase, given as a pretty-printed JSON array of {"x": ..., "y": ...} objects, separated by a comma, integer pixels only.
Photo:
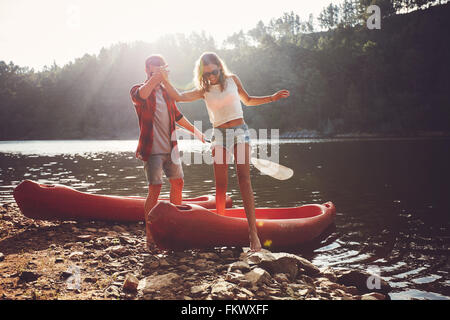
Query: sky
[{"x": 37, "y": 33}]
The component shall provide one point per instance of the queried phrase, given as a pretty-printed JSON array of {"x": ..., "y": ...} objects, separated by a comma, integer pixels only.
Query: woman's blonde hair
[{"x": 205, "y": 59}]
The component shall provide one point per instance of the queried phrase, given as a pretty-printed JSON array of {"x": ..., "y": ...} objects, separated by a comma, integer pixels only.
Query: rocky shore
[{"x": 102, "y": 260}]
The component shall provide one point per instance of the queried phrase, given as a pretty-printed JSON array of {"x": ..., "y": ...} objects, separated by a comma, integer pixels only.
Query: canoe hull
[
  {"x": 58, "y": 202},
  {"x": 190, "y": 226}
]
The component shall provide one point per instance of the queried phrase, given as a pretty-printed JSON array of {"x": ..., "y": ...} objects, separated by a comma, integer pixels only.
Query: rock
[
  {"x": 119, "y": 229},
  {"x": 258, "y": 276},
  {"x": 90, "y": 279},
  {"x": 85, "y": 237},
  {"x": 304, "y": 279},
  {"x": 130, "y": 283},
  {"x": 227, "y": 254},
  {"x": 373, "y": 296},
  {"x": 303, "y": 263},
  {"x": 163, "y": 262},
  {"x": 28, "y": 276},
  {"x": 126, "y": 240},
  {"x": 209, "y": 256},
  {"x": 327, "y": 284},
  {"x": 200, "y": 289},
  {"x": 222, "y": 290},
  {"x": 239, "y": 265},
  {"x": 300, "y": 289},
  {"x": 281, "y": 278},
  {"x": 59, "y": 260},
  {"x": 118, "y": 250},
  {"x": 113, "y": 292},
  {"x": 66, "y": 274},
  {"x": 280, "y": 262},
  {"x": 157, "y": 282},
  {"x": 201, "y": 263},
  {"x": 183, "y": 268},
  {"x": 234, "y": 277},
  {"x": 151, "y": 262},
  {"x": 328, "y": 273},
  {"x": 351, "y": 290},
  {"x": 93, "y": 263},
  {"x": 76, "y": 255},
  {"x": 107, "y": 258},
  {"x": 363, "y": 281},
  {"x": 115, "y": 264},
  {"x": 185, "y": 260}
]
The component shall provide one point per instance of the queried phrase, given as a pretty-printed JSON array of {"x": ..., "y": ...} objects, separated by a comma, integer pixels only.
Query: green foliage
[{"x": 344, "y": 79}]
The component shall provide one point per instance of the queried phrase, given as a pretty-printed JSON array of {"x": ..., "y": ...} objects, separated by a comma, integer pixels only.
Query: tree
[{"x": 329, "y": 17}]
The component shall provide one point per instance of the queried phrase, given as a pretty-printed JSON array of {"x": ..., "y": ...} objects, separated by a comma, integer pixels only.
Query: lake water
[{"x": 391, "y": 196}]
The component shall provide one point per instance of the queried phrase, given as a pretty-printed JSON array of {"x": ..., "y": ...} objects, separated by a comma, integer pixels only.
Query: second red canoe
[{"x": 59, "y": 202}]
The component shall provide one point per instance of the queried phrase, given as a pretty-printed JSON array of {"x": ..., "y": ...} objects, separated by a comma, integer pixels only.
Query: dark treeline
[{"x": 342, "y": 76}]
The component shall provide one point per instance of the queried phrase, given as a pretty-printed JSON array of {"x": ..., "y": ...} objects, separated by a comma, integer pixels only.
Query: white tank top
[{"x": 223, "y": 106}]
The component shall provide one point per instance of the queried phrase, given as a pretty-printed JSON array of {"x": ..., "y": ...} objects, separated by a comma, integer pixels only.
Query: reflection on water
[{"x": 391, "y": 196}]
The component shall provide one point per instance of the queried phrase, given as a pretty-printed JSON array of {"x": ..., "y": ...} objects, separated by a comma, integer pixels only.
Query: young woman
[{"x": 223, "y": 93}]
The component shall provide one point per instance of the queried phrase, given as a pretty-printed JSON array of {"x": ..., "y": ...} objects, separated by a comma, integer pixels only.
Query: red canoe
[
  {"x": 190, "y": 226},
  {"x": 58, "y": 202}
]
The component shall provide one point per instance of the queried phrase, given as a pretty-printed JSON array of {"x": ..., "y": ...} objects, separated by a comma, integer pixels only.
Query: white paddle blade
[{"x": 272, "y": 169}]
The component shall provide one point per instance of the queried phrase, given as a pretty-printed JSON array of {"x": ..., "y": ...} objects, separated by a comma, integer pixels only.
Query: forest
[{"x": 343, "y": 77}]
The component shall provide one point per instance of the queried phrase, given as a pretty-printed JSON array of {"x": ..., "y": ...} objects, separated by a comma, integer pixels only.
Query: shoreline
[
  {"x": 313, "y": 134},
  {"x": 299, "y": 134},
  {"x": 62, "y": 260}
]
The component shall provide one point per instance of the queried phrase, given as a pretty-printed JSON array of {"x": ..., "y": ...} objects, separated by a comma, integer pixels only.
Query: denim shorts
[
  {"x": 157, "y": 163},
  {"x": 228, "y": 137}
]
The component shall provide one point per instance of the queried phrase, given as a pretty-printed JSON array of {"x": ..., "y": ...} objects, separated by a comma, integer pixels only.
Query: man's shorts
[{"x": 157, "y": 163}]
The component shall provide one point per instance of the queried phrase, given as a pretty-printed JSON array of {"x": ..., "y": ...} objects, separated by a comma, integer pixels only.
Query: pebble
[
  {"x": 28, "y": 276},
  {"x": 131, "y": 283}
]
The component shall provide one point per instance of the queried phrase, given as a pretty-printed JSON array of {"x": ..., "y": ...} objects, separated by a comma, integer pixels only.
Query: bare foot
[
  {"x": 255, "y": 244},
  {"x": 148, "y": 235}
]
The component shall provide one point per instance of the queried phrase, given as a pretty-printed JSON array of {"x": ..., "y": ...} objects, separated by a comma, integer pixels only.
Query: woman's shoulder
[{"x": 235, "y": 79}]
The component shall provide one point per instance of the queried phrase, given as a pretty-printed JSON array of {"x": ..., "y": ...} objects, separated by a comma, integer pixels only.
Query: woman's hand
[
  {"x": 280, "y": 95},
  {"x": 164, "y": 72}
]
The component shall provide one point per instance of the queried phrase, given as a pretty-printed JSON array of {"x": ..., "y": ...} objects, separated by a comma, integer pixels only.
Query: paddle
[{"x": 275, "y": 170}]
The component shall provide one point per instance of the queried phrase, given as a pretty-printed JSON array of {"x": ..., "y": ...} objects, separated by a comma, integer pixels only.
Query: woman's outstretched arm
[
  {"x": 187, "y": 96},
  {"x": 256, "y": 101}
]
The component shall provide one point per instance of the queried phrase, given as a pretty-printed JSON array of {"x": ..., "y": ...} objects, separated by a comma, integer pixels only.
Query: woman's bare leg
[
  {"x": 242, "y": 152},
  {"x": 221, "y": 177}
]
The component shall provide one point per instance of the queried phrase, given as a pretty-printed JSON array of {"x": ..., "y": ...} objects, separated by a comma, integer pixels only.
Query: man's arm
[
  {"x": 146, "y": 89},
  {"x": 183, "y": 122}
]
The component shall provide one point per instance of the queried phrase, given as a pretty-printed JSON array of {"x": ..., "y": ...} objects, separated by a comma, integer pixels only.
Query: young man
[{"x": 157, "y": 147}]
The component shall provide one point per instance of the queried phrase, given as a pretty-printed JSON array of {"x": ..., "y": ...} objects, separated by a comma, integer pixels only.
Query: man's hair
[{"x": 155, "y": 60}]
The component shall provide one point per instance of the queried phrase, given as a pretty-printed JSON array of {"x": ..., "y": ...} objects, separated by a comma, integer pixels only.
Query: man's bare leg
[
  {"x": 176, "y": 190},
  {"x": 150, "y": 202}
]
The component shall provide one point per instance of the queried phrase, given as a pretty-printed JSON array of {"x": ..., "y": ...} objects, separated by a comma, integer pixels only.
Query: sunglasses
[{"x": 214, "y": 72}]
